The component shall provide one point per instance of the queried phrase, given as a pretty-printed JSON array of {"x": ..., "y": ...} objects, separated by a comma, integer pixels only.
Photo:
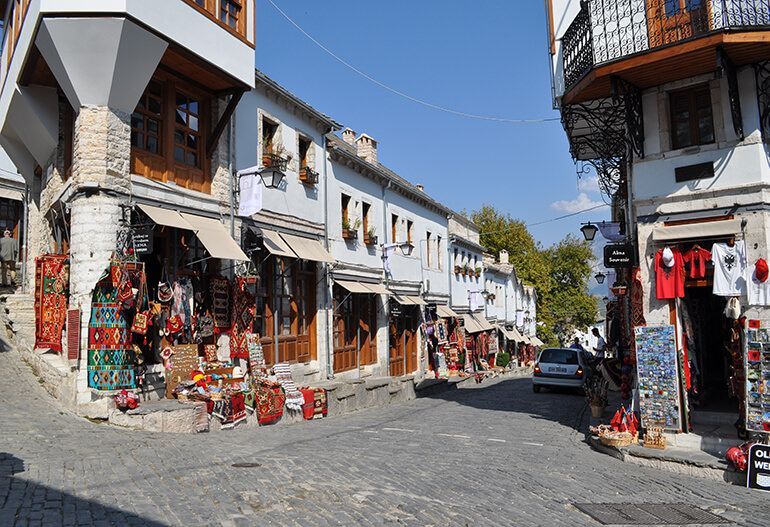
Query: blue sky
[{"x": 485, "y": 58}]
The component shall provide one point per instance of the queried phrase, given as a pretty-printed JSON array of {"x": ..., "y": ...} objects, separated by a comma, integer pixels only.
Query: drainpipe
[
  {"x": 24, "y": 245},
  {"x": 325, "y": 266},
  {"x": 387, "y": 278}
]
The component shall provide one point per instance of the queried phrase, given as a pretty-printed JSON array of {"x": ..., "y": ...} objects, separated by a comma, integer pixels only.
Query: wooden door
[
  {"x": 396, "y": 346},
  {"x": 368, "y": 329},
  {"x": 670, "y": 21},
  {"x": 344, "y": 333},
  {"x": 410, "y": 332},
  {"x": 305, "y": 306}
]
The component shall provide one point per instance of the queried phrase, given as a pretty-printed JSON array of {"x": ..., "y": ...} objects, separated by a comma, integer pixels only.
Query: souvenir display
[
  {"x": 757, "y": 368},
  {"x": 51, "y": 290},
  {"x": 657, "y": 368}
]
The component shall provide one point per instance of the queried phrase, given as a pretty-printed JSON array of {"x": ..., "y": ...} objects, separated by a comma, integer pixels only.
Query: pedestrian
[
  {"x": 601, "y": 345},
  {"x": 576, "y": 345},
  {"x": 9, "y": 252}
]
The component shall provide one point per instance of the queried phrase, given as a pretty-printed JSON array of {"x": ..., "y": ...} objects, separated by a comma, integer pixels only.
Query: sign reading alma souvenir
[{"x": 619, "y": 256}]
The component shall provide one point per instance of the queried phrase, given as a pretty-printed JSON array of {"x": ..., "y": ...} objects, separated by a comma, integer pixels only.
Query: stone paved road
[{"x": 493, "y": 455}]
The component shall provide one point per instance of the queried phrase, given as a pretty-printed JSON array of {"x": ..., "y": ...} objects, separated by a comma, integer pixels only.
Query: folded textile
[
  {"x": 315, "y": 406},
  {"x": 294, "y": 398}
]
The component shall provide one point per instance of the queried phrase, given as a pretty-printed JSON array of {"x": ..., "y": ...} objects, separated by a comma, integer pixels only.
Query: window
[
  {"x": 10, "y": 215},
  {"x": 187, "y": 136},
  {"x": 439, "y": 253},
  {"x": 304, "y": 152},
  {"x": 269, "y": 136},
  {"x": 692, "y": 122},
  {"x": 674, "y": 7},
  {"x": 394, "y": 228},
  {"x": 147, "y": 118},
  {"x": 428, "y": 243},
  {"x": 230, "y": 12},
  {"x": 365, "y": 208},
  {"x": 345, "y": 203},
  {"x": 409, "y": 229}
]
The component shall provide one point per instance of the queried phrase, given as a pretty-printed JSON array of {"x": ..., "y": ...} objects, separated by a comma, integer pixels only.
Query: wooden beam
[{"x": 216, "y": 133}]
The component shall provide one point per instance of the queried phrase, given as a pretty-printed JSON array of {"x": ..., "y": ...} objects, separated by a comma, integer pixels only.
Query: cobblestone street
[{"x": 495, "y": 454}]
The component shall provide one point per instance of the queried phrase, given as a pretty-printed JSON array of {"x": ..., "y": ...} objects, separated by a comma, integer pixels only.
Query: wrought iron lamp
[
  {"x": 600, "y": 276},
  {"x": 271, "y": 177},
  {"x": 589, "y": 231},
  {"x": 407, "y": 248}
]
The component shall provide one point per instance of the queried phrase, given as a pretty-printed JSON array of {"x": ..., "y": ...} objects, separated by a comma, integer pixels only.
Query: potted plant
[
  {"x": 469, "y": 270},
  {"x": 458, "y": 269},
  {"x": 275, "y": 157},
  {"x": 350, "y": 229},
  {"x": 308, "y": 176},
  {"x": 595, "y": 389},
  {"x": 370, "y": 237},
  {"x": 478, "y": 272}
]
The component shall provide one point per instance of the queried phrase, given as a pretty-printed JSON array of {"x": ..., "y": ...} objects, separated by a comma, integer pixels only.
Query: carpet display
[
  {"x": 270, "y": 402},
  {"x": 256, "y": 355},
  {"x": 316, "y": 403},
  {"x": 111, "y": 360},
  {"x": 239, "y": 348},
  {"x": 220, "y": 302},
  {"x": 51, "y": 291},
  {"x": 230, "y": 410},
  {"x": 294, "y": 398}
]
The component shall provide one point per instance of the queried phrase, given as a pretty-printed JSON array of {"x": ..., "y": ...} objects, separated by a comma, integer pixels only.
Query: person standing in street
[
  {"x": 9, "y": 252},
  {"x": 601, "y": 345},
  {"x": 577, "y": 345}
]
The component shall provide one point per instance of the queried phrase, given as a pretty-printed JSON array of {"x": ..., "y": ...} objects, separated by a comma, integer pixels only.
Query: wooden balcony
[
  {"x": 230, "y": 14},
  {"x": 651, "y": 42}
]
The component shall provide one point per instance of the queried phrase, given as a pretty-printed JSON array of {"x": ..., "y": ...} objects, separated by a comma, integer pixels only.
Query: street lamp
[
  {"x": 271, "y": 177},
  {"x": 589, "y": 231},
  {"x": 600, "y": 276},
  {"x": 407, "y": 248}
]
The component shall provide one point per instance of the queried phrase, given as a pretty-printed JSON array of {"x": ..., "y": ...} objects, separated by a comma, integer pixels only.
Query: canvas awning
[
  {"x": 405, "y": 300},
  {"x": 526, "y": 339},
  {"x": 471, "y": 326},
  {"x": 353, "y": 287},
  {"x": 446, "y": 312},
  {"x": 215, "y": 238},
  {"x": 692, "y": 231},
  {"x": 165, "y": 217},
  {"x": 511, "y": 334},
  {"x": 276, "y": 245},
  {"x": 537, "y": 342},
  {"x": 12, "y": 194},
  {"x": 308, "y": 249},
  {"x": 378, "y": 289},
  {"x": 483, "y": 322}
]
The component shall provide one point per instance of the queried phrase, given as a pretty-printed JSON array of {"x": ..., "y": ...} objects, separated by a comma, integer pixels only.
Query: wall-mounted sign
[
  {"x": 758, "y": 476},
  {"x": 619, "y": 256},
  {"x": 143, "y": 240}
]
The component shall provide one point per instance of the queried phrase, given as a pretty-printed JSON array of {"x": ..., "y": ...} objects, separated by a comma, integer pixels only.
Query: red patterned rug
[
  {"x": 270, "y": 403},
  {"x": 51, "y": 292}
]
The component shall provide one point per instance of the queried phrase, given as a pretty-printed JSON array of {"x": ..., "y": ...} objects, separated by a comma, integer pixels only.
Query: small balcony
[{"x": 608, "y": 32}]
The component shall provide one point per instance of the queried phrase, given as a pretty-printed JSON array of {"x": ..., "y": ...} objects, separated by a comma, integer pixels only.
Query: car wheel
[{"x": 536, "y": 388}]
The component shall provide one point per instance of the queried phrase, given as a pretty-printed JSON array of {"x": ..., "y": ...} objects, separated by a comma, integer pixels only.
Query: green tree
[{"x": 559, "y": 273}]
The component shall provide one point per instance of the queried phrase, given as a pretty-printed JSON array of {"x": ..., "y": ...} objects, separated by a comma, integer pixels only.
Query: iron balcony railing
[{"x": 608, "y": 30}]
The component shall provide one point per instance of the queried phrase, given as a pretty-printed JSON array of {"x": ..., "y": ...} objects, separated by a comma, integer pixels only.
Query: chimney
[
  {"x": 349, "y": 136},
  {"x": 367, "y": 148},
  {"x": 420, "y": 187},
  {"x": 504, "y": 257}
]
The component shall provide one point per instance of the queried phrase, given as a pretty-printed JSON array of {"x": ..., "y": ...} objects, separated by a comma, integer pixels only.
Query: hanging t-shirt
[
  {"x": 729, "y": 269},
  {"x": 669, "y": 281},
  {"x": 696, "y": 258},
  {"x": 759, "y": 292}
]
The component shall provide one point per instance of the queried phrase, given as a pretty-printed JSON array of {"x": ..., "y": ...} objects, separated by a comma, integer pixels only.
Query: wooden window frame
[
  {"x": 409, "y": 229},
  {"x": 691, "y": 93},
  {"x": 212, "y": 10},
  {"x": 304, "y": 144},
  {"x": 146, "y": 116},
  {"x": 187, "y": 130},
  {"x": 394, "y": 228},
  {"x": 365, "y": 209},
  {"x": 428, "y": 239}
]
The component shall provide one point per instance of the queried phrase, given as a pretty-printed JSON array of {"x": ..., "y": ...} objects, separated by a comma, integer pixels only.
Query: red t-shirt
[
  {"x": 669, "y": 281},
  {"x": 697, "y": 258}
]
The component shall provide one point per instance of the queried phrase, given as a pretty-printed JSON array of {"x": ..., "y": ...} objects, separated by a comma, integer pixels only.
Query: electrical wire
[
  {"x": 406, "y": 95},
  {"x": 549, "y": 220}
]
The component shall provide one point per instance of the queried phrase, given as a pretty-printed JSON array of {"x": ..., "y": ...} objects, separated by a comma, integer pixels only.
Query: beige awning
[
  {"x": 378, "y": 289},
  {"x": 12, "y": 194},
  {"x": 691, "y": 231},
  {"x": 275, "y": 245},
  {"x": 537, "y": 342},
  {"x": 353, "y": 287},
  {"x": 417, "y": 301},
  {"x": 410, "y": 300},
  {"x": 215, "y": 238},
  {"x": 308, "y": 249},
  {"x": 471, "y": 326},
  {"x": 166, "y": 217},
  {"x": 483, "y": 322},
  {"x": 511, "y": 335},
  {"x": 526, "y": 339},
  {"x": 446, "y": 312}
]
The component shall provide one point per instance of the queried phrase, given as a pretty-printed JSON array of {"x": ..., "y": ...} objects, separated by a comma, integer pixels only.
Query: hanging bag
[{"x": 165, "y": 292}]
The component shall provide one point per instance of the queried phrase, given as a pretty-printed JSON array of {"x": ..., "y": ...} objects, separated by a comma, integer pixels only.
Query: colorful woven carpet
[
  {"x": 315, "y": 406},
  {"x": 220, "y": 302},
  {"x": 111, "y": 360},
  {"x": 51, "y": 291},
  {"x": 270, "y": 402},
  {"x": 294, "y": 398},
  {"x": 230, "y": 410},
  {"x": 256, "y": 355}
]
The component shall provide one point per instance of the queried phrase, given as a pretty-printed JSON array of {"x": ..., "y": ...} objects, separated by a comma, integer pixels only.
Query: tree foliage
[{"x": 559, "y": 273}]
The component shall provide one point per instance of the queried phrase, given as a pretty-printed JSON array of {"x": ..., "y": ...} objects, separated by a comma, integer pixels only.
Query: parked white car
[{"x": 565, "y": 367}]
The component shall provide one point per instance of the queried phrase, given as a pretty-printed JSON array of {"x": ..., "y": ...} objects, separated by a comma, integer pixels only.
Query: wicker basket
[{"x": 618, "y": 440}]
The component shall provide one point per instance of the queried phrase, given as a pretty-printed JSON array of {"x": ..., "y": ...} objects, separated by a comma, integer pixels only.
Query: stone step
[{"x": 164, "y": 416}]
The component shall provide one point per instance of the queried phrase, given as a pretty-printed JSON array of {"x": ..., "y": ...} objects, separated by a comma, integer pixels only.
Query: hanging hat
[
  {"x": 668, "y": 257},
  {"x": 761, "y": 270}
]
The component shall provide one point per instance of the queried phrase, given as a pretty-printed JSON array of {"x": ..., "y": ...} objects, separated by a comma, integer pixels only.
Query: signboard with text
[
  {"x": 758, "y": 476},
  {"x": 143, "y": 240},
  {"x": 619, "y": 256}
]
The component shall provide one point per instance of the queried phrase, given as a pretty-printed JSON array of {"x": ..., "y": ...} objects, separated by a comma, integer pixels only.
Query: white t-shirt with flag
[{"x": 729, "y": 269}]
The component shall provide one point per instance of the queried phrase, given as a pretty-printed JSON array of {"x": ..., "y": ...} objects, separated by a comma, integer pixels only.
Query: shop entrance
[{"x": 403, "y": 340}]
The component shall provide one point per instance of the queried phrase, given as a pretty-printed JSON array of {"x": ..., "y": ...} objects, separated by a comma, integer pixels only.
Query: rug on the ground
[
  {"x": 230, "y": 410},
  {"x": 316, "y": 405},
  {"x": 51, "y": 291},
  {"x": 270, "y": 402},
  {"x": 294, "y": 398},
  {"x": 111, "y": 360}
]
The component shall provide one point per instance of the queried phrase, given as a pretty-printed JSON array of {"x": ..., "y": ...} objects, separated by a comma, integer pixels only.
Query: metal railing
[{"x": 608, "y": 30}]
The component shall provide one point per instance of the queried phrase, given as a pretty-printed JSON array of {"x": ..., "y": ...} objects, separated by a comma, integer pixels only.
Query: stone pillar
[{"x": 101, "y": 156}]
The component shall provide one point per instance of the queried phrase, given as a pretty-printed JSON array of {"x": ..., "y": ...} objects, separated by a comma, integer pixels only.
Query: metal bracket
[
  {"x": 631, "y": 97},
  {"x": 762, "y": 70},
  {"x": 726, "y": 68}
]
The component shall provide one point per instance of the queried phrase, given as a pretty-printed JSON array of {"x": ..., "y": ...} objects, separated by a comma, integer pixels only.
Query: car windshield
[{"x": 559, "y": 356}]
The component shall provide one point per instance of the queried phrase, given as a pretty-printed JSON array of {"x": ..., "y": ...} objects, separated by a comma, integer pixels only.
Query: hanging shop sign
[
  {"x": 758, "y": 476},
  {"x": 757, "y": 384},
  {"x": 143, "y": 240},
  {"x": 657, "y": 369},
  {"x": 619, "y": 256}
]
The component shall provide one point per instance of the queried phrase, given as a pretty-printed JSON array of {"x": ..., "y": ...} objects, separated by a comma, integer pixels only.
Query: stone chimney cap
[
  {"x": 349, "y": 136},
  {"x": 420, "y": 187}
]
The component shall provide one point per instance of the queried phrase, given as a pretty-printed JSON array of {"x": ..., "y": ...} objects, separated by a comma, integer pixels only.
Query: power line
[
  {"x": 402, "y": 94},
  {"x": 548, "y": 221}
]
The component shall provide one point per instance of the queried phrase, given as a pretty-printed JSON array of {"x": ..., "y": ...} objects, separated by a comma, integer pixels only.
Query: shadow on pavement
[
  {"x": 564, "y": 406},
  {"x": 24, "y": 502}
]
